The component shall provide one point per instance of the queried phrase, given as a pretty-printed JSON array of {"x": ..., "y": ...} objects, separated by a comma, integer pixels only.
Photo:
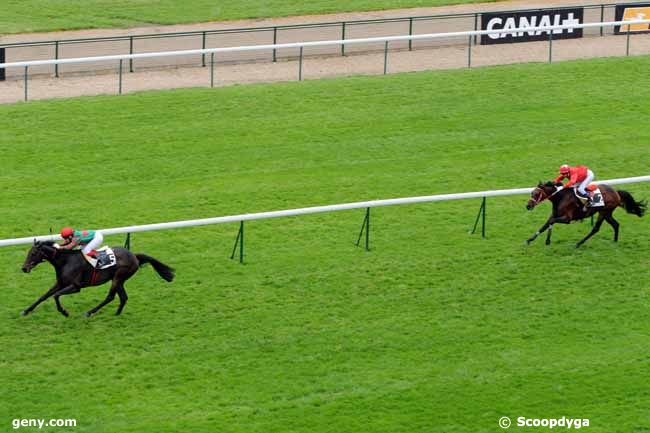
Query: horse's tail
[
  {"x": 163, "y": 270},
  {"x": 628, "y": 203}
]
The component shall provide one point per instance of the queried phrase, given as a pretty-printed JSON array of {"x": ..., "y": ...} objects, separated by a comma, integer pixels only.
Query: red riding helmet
[
  {"x": 66, "y": 232},
  {"x": 564, "y": 169}
]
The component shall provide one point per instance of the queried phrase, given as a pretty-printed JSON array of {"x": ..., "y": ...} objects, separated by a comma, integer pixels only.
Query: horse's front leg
[
  {"x": 68, "y": 290},
  {"x": 47, "y": 294},
  {"x": 548, "y": 224},
  {"x": 548, "y": 235}
]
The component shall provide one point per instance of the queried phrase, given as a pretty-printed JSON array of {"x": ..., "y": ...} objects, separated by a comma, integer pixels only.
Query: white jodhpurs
[
  {"x": 95, "y": 243},
  {"x": 586, "y": 182}
]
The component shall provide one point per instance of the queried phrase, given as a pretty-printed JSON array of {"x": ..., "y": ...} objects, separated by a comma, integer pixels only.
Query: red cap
[{"x": 66, "y": 232}]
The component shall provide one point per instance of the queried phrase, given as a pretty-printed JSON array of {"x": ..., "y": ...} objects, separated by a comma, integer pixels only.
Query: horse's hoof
[
  {"x": 65, "y": 313},
  {"x": 527, "y": 242},
  {"x": 578, "y": 245},
  {"x": 547, "y": 243},
  {"x": 88, "y": 314},
  {"x": 24, "y": 313}
]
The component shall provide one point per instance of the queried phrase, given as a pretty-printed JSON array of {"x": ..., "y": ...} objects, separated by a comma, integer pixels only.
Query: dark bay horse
[
  {"x": 73, "y": 273},
  {"x": 567, "y": 207}
]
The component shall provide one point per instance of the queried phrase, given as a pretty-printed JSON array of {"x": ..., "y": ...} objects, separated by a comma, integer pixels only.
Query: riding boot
[{"x": 587, "y": 204}]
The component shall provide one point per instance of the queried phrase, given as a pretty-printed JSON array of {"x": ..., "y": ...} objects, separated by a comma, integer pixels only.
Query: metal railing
[
  {"x": 469, "y": 36},
  {"x": 239, "y": 242},
  {"x": 201, "y": 39}
]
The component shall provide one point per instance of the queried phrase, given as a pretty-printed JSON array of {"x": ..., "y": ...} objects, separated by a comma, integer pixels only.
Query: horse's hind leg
[
  {"x": 123, "y": 298},
  {"x": 109, "y": 298},
  {"x": 593, "y": 231},
  {"x": 610, "y": 219}
]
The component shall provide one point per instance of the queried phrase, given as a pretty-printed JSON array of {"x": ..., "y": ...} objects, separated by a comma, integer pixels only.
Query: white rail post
[
  {"x": 211, "y": 70},
  {"x": 119, "y": 86},
  {"x": 26, "y": 78},
  {"x": 385, "y": 57},
  {"x": 627, "y": 46}
]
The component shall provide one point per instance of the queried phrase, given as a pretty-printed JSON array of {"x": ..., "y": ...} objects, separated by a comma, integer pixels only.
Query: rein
[{"x": 546, "y": 196}]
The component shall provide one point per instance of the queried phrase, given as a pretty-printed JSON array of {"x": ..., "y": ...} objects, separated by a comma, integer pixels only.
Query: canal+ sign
[{"x": 509, "y": 21}]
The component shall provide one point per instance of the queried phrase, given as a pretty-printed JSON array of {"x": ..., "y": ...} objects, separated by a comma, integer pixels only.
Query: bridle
[
  {"x": 545, "y": 196},
  {"x": 43, "y": 254}
]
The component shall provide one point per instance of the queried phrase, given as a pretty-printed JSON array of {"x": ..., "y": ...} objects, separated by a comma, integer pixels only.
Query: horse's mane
[
  {"x": 550, "y": 183},
  {"x": 51, "y": 245}
]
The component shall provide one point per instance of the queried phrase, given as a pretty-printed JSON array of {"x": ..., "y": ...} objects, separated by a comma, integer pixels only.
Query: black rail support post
[
  {"x": 119, "y": 90},
  {"x": 26, "y": 79},
  {"x": 386, "y": 58},
  {"x": 411, "y": 33},
  {"x": 56, "y": 57},
  {"x": 481, "y": 216},
  {"x": 3, "y": 75},
  {"x": 211, "y": 70},
  {"x": 475, "y": 26},
  {"x": 627, "y": 46},
  {"x": 127, "y": 243},
  {"x": 300, "y": 65},
  {"x": 203, "y": 48},
  {"x": 239, "y": 241},
  {"x": 343, "y": 38},
  {"x": 275, "y": 42},
  {"x": 550, "y": 46},
  {"x": 130, "y": 52},
  {"x": 365, "y": 228},
  {"x": 469, "y": 52}
]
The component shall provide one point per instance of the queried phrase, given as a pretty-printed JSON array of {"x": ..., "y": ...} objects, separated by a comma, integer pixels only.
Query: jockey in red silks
[
  {"x": 86, "y": 240},
  {"x": 579, "y": 177}
]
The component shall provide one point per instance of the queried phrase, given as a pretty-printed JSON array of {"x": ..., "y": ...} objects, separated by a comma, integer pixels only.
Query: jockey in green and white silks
[{"x": 86, "y": 240}]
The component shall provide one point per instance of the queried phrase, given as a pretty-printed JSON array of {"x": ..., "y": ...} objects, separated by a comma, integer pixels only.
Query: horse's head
[
  {"x": 541, "y": 193},
  {"x": 37, "y": 254}
]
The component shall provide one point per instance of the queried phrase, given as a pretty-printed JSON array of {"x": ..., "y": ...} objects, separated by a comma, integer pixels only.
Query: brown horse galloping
[
  {"x": 567, "y": 207},
  {"x": 74, "y": 273}
]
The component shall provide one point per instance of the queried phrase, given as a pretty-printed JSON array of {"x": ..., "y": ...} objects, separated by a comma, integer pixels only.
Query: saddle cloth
[
  {"x": 596, "y": 196},
  {"x": 106, "y": 257}
]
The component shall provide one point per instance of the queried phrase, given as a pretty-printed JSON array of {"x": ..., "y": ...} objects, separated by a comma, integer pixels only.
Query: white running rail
[
  {"x": 308, "y": 210},
  {"x": 547, "y": 29}
]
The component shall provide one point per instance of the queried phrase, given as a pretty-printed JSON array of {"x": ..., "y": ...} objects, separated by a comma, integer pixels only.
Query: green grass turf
[
  {"x": 433, "y": 330},
  {"x": 20, "y": 16}
]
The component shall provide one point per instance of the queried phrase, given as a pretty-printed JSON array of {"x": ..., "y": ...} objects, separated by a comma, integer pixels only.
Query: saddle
[
  {"x": 594, "y": 194},
  {"x": 105, "y": 258}
]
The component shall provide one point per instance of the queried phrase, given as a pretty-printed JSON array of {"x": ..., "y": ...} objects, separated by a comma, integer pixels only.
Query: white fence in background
[
  {"x": 543, "y": 29},
  {"x": 309, "y": 210}
]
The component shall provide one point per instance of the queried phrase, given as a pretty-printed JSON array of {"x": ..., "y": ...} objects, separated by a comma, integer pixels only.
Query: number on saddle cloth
[{"x": 105, "y": 258}]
